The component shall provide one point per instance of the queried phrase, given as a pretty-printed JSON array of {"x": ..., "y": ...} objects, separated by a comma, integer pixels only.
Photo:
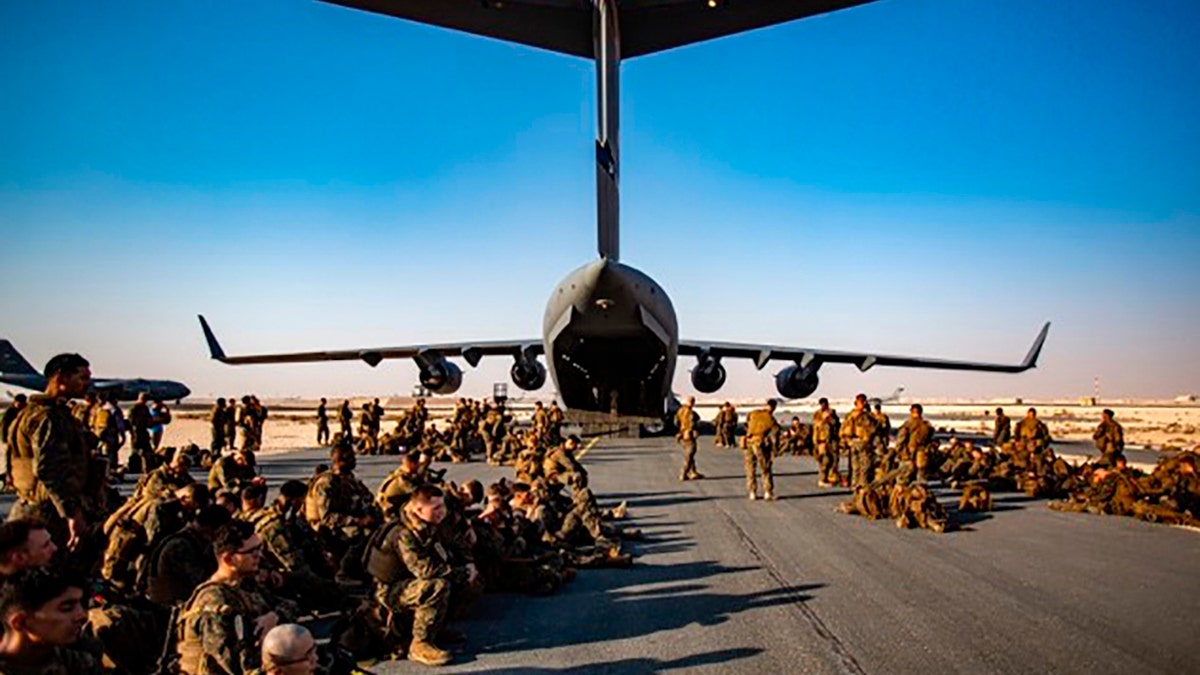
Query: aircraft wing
[
  {"x": 565, "y": 26},
  {"x": 864, "y": 361},
  {"x": 471, "y": 352}
]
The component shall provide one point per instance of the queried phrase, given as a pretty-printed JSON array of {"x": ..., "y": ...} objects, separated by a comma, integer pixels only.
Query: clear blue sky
[{"x": 909, "y": 176}]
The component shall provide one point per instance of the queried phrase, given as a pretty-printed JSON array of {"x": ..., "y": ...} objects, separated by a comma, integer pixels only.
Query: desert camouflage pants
[
  {"x": 827, "y": 456},
  {"x": 757, "y": 457},
  {"x": 428, "y": 601},
  {"x": 862, "y": 463},
  {"x": 689, "y": 458}
]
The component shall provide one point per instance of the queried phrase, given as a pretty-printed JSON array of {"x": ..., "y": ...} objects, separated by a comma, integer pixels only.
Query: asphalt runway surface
[{"x": 729, "y": 585}]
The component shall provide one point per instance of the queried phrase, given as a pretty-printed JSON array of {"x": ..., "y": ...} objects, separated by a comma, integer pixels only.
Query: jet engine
[
  {"x": 797, "y": 382},
  {"x": 708, "y": 375},
  {"x": 528, "y": 373},
  {"x": 441, "y": 377}
]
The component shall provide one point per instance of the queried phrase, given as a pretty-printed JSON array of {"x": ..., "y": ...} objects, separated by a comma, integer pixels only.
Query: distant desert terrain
[{"x": 1149, "y": 424}]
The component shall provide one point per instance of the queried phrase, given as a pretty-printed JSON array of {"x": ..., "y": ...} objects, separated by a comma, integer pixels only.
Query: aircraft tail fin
[{"x": 12, "y": 363}]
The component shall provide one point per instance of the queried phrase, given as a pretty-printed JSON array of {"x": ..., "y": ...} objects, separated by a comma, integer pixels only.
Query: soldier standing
[
  {"x": 51, "y": 462},
  {"x": 539, "y": 421},
  {"x": 1032, "y": 433},
  {"x": 322, "y": 424},
  {"x": 686, "y": 419},
  {"x": 365, "y": 421},
  {"x": 554, "y": 422},
  {"x": 345, "y": 419},
  {"x": 230, "y": 423},
  {"x": 1110, "y": 439},
  {"x": 762, "y": 435},
  {"x": 216, "y": 420},
  {"x": 140, "y": 421},
  {"x": 1002, "y": 433},
  {"x": 825, "y": 441},
  {"x": 914, "y": 439},
  {"x": 10, "y": 415},
  {"x": 858, "y": 432},
  {"x": 883, "y": 438}
]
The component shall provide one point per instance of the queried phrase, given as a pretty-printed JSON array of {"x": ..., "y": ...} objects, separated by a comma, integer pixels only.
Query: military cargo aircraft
[
  {"x": 609, "y": 334},
  {"x": 17, "y": 371}
]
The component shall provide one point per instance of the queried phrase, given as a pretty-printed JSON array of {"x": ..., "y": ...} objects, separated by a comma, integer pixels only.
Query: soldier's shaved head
[{"x": 289, "y": 649}]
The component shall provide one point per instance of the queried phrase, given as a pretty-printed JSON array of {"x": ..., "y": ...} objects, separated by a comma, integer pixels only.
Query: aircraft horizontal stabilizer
[{"x": 565, "y": 26}]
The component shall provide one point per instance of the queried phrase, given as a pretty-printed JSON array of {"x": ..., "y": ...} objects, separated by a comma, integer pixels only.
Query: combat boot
[{"x": 427, "y": 653}]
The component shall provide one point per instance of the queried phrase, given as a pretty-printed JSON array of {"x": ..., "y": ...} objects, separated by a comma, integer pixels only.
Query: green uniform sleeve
[{"x": 51, "y": 462}]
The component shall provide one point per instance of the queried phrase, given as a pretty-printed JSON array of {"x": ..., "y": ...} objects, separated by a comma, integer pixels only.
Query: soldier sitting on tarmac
[
  {"x": 414, "y": 572},
  {"x": 221, "y": 628}
]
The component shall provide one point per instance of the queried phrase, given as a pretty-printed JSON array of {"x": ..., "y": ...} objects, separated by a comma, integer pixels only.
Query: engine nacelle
[
  {"x": 708, "y": 375},
  {"x": 441, "y": 377},
  {"x": 528, "y": 374},
  {"x": 796, "y": 382}
]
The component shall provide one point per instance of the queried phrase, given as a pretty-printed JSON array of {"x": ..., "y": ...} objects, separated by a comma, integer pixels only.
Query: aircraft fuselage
[
  {"x": 611, "y": 340},
  {"x": 126, "y": 389}
]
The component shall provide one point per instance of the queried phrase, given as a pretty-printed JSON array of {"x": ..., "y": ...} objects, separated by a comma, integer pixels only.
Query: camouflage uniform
[
  {"x": 161, "y": 483},
  {"x": 333, "y": 506},
  {"x": 140, "y": 422},
  {"x": 1002, "y": 433},
  {"x": 61, "y": 661},
  {"x": 422, "y": 576},
  {"x": 762, "y": 434},
  {"x": 216, "y": 631},
  {"x": 913, "y": 441},
  {"x": 554, "y": 422},
  {"x": 227, "y": 474},
  {"x": 216, "y": 420},
  {"x": 882, "y": 440},
  {"x": 560, "y": 466},
  {"x": 322, "y": 425},
  {"x": 825, "y": 441},
  {"x": 51, "y": 465},
  {"x": 685, "y": 420},
  {"x": 288, "y": 548},
  {"x": 858, "y": 431},
  {"x": 1110, "y": 441},
  {"x": 1033, "y": 435}
]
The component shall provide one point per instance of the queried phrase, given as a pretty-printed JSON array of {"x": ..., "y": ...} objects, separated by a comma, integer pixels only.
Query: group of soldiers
[
  {"x": 898, "y": 478},
  {"x": 196, "y": 576},
  {"x": 474, "y": 428},
  {"x": 226, "y": 418}
]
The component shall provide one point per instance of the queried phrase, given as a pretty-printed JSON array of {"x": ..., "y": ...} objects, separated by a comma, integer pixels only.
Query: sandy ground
[{"x": 292, "y": 423}]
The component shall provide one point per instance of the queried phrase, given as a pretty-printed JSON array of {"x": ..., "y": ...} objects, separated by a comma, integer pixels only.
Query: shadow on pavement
[
  {"x": 643, "y": 665},
  {"x": 595, "y": 609}
]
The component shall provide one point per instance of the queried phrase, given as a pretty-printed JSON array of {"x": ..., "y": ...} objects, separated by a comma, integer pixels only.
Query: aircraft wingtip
[{"x": 1035, "y": 351}]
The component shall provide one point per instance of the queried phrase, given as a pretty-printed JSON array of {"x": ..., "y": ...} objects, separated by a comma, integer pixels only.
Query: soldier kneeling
[{"x": 415, "y": 572}]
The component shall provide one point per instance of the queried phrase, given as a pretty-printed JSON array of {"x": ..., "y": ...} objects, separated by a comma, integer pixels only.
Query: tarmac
[{"x": 728, "y": 585}]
